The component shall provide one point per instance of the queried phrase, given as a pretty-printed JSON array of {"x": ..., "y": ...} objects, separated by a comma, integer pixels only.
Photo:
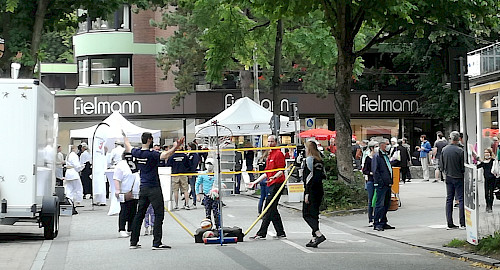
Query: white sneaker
[
  {"x": 146, "y": 231},
  {"x": 123, "y": 234}
]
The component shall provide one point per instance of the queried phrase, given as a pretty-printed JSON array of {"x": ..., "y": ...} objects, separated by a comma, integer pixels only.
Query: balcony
[{"x": 484, "y": 61}]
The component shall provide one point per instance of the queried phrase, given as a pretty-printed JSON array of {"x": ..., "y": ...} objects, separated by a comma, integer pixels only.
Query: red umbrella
[{"x": 320, "y": 134}]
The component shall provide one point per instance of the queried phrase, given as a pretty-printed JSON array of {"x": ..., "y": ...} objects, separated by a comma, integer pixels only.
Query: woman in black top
[
  {"x": 313, "y": 176},
  {"x": 489, "y": 178}
]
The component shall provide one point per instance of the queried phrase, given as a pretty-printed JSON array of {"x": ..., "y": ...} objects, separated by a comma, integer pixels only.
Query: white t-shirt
[
  {"x": 116, "y": 154},
  {"x": 124, "y": 175}
]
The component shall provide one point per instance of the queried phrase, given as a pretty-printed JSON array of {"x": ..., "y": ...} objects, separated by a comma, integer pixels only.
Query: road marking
[
  {"x": 437, "y": 226},
  {"x": 41, "y": 255},
  {"x": 297, "y": 246}
]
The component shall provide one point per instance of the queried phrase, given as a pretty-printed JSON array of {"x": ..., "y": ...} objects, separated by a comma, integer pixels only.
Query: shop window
[
  {"x": 83, "y": 67},
  {"x": 489, "y": 122},
  {"x": 366, "y": 129}
]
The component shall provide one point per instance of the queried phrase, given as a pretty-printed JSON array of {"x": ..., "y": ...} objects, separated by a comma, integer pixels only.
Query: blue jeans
[
  {"x": 264, "y": 190},
  {"x": 370, "y": 189},
  {"x": 455, "y": 189},
  {"x": 382, "y": 205},
  {"x": 237, "y": 183},
  {"x": 192, "y": 193}
]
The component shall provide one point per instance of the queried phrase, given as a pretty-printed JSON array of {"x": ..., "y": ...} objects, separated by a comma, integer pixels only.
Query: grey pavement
[
  {"x": 420, "y": 221},
  {"x": 90, "y": 240}
]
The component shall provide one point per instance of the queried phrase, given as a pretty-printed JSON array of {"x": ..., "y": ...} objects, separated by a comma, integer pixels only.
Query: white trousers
[
  {"x": 74, "y": 190},
  {"x": 425, "y": 167}
]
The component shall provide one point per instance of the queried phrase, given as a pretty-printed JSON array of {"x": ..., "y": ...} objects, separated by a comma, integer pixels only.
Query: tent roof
[
  {"x": 244, "y": 117},
  {"x": 117, "y": 123}
]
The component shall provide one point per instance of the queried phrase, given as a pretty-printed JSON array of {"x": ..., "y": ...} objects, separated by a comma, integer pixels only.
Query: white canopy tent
[
  {"x": 116, "y": 123},
  {"x": 245, "y": 117}
]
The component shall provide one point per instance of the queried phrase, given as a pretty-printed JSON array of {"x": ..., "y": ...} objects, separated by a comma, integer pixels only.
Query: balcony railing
[{"x": 483, "y": 61}]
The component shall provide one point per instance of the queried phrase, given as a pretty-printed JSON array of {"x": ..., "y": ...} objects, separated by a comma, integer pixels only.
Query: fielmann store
[{"x": 373, "y": 114}]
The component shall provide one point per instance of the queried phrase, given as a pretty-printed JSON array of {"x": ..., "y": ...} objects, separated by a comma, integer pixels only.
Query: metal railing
[{"x": 489, "y": 60}]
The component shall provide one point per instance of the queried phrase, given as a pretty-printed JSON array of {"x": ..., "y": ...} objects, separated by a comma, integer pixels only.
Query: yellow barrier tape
[
  {"x": 271, "y": 202},
  {"x": 180, "y": 223},
  {"x": 238, "y": 149},
  {"x": 229, "y": 172}
]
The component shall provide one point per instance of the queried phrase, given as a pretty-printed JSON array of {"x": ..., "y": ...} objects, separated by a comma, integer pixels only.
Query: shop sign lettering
[
  {"x": 378, "y": 104},
  {"x": 96, "y": 107},
  {"x": 266, "y": 103}
]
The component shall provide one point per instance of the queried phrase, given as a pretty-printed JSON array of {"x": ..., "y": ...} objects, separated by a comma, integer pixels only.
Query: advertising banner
[{"x": 471, "y": 204}]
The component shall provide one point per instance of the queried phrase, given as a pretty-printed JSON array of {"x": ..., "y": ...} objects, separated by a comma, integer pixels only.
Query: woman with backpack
[{"x": 313, "y": 176}]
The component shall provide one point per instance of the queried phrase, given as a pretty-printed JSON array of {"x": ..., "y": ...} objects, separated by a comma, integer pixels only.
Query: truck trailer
[{"x": 28, "y": 146}]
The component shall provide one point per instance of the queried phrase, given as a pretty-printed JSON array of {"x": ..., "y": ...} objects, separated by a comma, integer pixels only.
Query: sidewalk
[{"x": 420, "y": 221}]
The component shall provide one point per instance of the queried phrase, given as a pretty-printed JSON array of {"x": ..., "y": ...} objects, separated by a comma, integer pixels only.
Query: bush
[{"x": 340, "y": 195}]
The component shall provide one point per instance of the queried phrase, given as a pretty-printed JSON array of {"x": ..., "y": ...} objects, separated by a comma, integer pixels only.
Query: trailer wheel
[{"x": 50, "y": 217}]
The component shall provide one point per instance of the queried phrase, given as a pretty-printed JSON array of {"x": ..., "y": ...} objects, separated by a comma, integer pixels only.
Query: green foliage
[
  {"x": 57, "y": 46},
  {"x": 340, "y": 195},
  {"x": 456, "y": 243},
  {"x": 489, "y": 244}
]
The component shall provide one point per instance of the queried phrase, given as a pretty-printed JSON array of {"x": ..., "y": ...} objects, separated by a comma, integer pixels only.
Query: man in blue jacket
[
  {"x": 382, "y": 181},
  {"x": 425, "y": 148}
]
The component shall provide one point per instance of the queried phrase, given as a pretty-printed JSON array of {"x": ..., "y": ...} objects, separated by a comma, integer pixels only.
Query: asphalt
[{"x": 420, "y": 220}]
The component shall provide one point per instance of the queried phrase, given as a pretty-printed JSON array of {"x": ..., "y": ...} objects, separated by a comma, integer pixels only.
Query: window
[
  {"x": 115, "y": 21},
  {"x": 104, "y": 70}
]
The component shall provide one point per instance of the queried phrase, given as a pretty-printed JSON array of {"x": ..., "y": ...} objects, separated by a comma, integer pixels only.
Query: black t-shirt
[
  {"x": 440, "y": 145},
  {"x": 147, "y": 163},
  {"x": 249, "y": 156}
]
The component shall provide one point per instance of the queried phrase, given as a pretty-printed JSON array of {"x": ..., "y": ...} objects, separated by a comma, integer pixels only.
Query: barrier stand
[
  {"x": 180, "y": 223},
  {"x": 271, "y": 202}
]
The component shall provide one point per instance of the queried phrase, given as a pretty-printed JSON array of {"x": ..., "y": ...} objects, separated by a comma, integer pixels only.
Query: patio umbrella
[{"x": 320, "y": 134}]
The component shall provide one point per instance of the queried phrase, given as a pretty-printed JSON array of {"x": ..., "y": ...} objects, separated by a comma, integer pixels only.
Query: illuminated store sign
[
  {"x": 96, "y": 107},
  {"x": 378, "y": 104}
]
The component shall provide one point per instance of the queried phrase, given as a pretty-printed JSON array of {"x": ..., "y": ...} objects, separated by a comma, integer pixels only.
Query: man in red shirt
[{"x": 275, "y": 160}]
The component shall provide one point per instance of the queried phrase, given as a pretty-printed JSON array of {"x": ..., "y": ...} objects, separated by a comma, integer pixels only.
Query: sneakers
[
  {"x": 435, "y": 181},
  {"x": 176, "y": 208},
  {"x": 311, "y": 242},
  {"x": 317, "y": 241},
  {"x": 452, "y": 227},
  {"x": 186, "y": 207},
  {"x": 123, "y": 234},
  {"x": 134, "y": 246},
  {"x": 161, "y": 247},
  {"x": 146, "y": 231},
  {"x": 193, "y": 206},
  {"x": 388, "y": 227},
  {"x": 462, "y": 227},
  {"x": 279, "y": 237},
  {"x": 257, "y": 237},
  {"x": 370, "y": 224}
]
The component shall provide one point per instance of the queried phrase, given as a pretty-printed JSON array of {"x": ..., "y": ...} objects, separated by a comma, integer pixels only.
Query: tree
[{"x": 386, "y": 19}]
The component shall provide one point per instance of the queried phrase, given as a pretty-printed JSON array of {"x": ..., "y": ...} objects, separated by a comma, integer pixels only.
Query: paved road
[{"x": 89, "y": 241}]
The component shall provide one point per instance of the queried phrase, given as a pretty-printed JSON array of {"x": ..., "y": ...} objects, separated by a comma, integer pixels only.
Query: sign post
[{"x": 470, "y": 204}]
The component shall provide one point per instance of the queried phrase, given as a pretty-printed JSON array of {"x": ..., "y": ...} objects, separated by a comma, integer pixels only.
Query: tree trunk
[
  {"x": 344, "y": 37},
  {"x": 246, "y": 83},
  {"x": 41, "y": 10},
  {"x": 276, "y": 84}
]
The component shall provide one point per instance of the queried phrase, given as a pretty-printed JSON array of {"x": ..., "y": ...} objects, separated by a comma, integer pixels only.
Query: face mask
[
  {"x": 487, "y": 156},
  {"x": 376, "y": 149},
  {"x": 210, "y": 167},
  {"x": 387, "y": 148}
]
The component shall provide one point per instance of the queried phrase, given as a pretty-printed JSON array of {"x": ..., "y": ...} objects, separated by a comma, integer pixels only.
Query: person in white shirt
[
  {"x": 72, "y": 183},
  {"x": 59, "y": 166},
  {"x": 86, "y": 161},
  {"x": 116, "y": 153},
  {"x": 124, "y": 181}
]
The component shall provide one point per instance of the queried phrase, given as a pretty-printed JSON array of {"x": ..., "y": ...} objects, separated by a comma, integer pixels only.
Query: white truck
[{"x": 28, "y": 139}]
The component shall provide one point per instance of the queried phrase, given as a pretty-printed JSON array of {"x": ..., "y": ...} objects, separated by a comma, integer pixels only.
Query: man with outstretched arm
[{"x": 150, "y": 189}]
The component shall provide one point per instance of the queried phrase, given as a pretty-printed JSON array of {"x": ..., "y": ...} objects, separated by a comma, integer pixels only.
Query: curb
[{"x": 452, "y": 252}]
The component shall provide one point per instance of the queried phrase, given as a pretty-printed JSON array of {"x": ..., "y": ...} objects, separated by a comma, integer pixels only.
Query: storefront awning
[{"x": 485, "y": 87}]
